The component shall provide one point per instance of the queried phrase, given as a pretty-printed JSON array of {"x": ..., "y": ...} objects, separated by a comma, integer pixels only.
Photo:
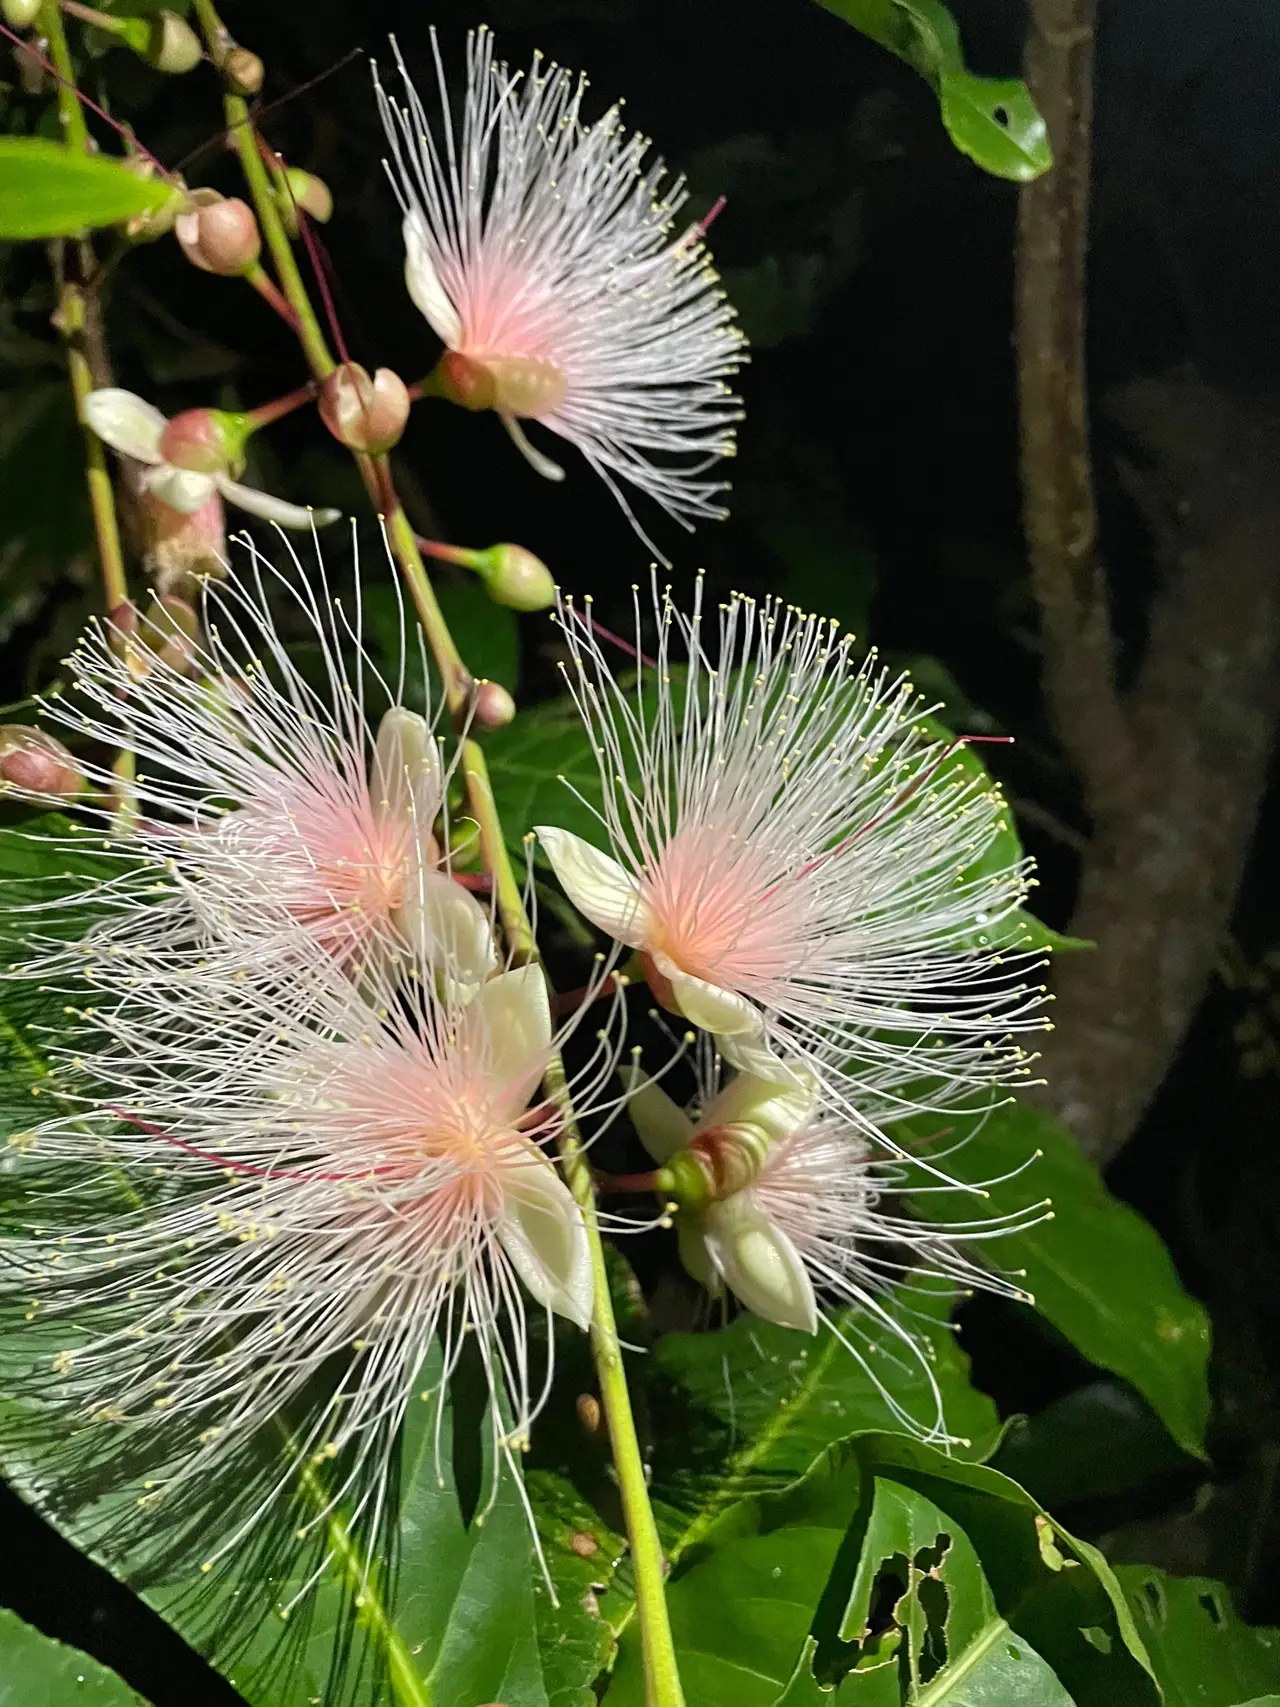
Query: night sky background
[{"x": 876, "y": 481}]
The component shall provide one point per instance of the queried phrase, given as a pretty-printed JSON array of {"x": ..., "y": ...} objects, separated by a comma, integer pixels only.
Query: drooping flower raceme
[
  {"x": 541, "y": 249},
  {"x": 781, "y": 1201},
  {"x": 801, "y": 864},
  {"x": 236, "y": 1241},
  {"x": 265, "y": 803}
]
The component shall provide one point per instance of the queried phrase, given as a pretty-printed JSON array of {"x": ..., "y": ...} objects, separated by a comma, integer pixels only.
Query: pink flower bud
[
  {"x": 219, "y": 236},
  {"x": 243, "y": 71},
  {"x": 172, "y": 45},
  {"x": 515, "y": 577},
  {"x": 364, "y": 414},
  {"x": 205, "y": 441},
  {"x": 494, "y": 706},
  {"x": 182, "y": 549},
  {"x": 33, "y": 763},
  {"x": 20, "y": 14}
]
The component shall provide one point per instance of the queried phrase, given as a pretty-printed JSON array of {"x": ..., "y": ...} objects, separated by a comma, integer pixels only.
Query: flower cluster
[
  {"x": 298, "y": 1157},
  {"x": 810, "y": 874}
]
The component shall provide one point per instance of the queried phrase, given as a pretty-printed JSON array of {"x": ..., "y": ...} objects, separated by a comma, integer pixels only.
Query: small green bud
[
  {"x": 20, "y": 14},
  {"x": 172, "y": 45},
  {"x": 515, "y": 577}
]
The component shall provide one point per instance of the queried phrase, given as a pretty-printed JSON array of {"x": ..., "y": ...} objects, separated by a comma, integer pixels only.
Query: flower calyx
[
  {"x": 365, "y": 414},
  {"x": 36, "y": 766}
]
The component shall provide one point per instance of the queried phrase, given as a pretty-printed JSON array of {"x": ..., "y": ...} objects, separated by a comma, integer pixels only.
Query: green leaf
[
  {"x": 1203, "y": 1655},
  {"x": 36, "y": 1671},
  {"x": 487, "y": 635},
  {"x": 1095, "y": 1443},
  {"x": 539, "y": 765},
  {"x": 1097, "y": 1270},
  {"x": 991, "y": 119},
  {"x": 47, "y": 190},
  {"x": 902, "y": 1574}
]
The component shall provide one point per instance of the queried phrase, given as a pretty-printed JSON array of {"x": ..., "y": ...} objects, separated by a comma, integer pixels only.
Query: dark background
[{"x": 876, "y": 481}]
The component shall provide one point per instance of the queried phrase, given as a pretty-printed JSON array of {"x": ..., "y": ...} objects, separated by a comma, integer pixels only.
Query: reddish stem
[
  {"x": 569, "y": 1001},
  {"x": 236, "y": 1167},
  {"x": 614, "y": 1185},
  {"x": 266, "y": 413},
  {"x": 46, "y": 64}
]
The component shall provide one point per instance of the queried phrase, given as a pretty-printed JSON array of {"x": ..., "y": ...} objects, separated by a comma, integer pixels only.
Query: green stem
[
  {"x": 75, "y": 132},
  {"x": 662, "y": 1679}
]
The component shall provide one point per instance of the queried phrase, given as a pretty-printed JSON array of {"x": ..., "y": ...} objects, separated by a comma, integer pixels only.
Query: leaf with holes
[
  {"x": 1203, "y": 1653},
  {"x": 992, "y": 120},
  {"x": 36, "y": 1671},
  {"x": 1097, "y": 1270}
]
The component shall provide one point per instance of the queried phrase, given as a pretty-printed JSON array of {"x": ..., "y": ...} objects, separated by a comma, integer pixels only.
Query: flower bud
[
  {"x": 172, "y": 45},
  {"x": 171, "y": 629},
  {"x": 33, "y": 763},
  {"x": 146, "y": 227},
  {"x": 219, "y": 236},
  {"x": 205, "y": 441},
  {"x": 515, "y": 577},
  {"x": 243, "y": 71},
  {"x": 305, "y": 191},
  {"x": 362, "y": 413},
  {"x": 493, "y": 706},
  {"x": 462, "y": 844},
  {"x": 20, "y": 14}
]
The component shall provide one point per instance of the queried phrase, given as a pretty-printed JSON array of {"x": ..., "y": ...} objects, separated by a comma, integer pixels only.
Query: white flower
[
  {"x": 135, "y": 428},
  {"x": 542, "y": 250},
  {"x": 800, "y": 864},
  {"x": 779, "y": 1200}
]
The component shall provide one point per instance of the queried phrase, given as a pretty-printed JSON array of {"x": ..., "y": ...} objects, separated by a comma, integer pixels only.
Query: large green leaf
[
  {"x": 1203, "y": 1655},
  {"x": 991, "y": 119},
  {"x": 1097, "y": 1270},
  {"x": 47, "y": 190},
  {"x": 905, "y": 1575},
  {"x": 36, "y": 1671}
]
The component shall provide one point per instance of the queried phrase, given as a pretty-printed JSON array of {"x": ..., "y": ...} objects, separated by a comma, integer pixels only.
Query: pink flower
[
  {"x": 796, "y": 861},
  {"x": 281, "y": 1231},
  {"x": 779, "y": 1200},
  {"x": 136, "y": 428},
  {"x": 265, "y": 806},
  {"x": 542, "y": 250}
]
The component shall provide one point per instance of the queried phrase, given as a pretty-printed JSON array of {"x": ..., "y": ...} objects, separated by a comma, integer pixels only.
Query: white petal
[
  {"x": 662, "y": 1125},
  {"x": 542, "y": 1232},
  {"x": 448, "y": 930},
  {"x": 751, "y": 1052},
  {"x": 125, "y": 422},
  {"x": 759, "y": 1264},
  {"x": 538, "y": 461},
  {"x": 405, "y": 778},
  {"x": 724, "y": 1013},
  {"x": 273, "y": 509},
  {"x": 691, "y": 1242},
  {"x": 181, "y": 488},
  {"x": 775, "y": 1109},
  {"x": 515, "y": 1014},
  {"x": 598, "y": 886},
  {"x": 429, "y": 296}
]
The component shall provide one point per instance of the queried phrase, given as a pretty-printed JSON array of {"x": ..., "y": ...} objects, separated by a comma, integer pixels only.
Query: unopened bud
[
  {"x": 362, "y": 413},
  {"x": 20, "y": 14},
  {"x": 33, "y": 763},
  {"x": 243, "y": 71},
  {"x": 303, "y": 190},
  {"x": 205, "y": 441},
  {"x": 171, "y": 629},
  {"x": 515, "y": 577},
  {"x": 219, "y": 236},
  {"x": 172, "y": 45},
  {"x": 494, "y": 707}
]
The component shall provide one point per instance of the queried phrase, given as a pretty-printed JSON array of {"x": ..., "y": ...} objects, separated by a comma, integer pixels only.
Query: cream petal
[
  {"x": 691, "y": 1242},
  {"x": 774, "y": 1108},
  {"x": 759, "y": 1264},
  {"x": 598, "y": 886},
  {"x": 751, "y": 1052},
  {"x": 273, "y": 509},
  {"x": 514, "y": 1013},
  {"x": 405, "y": 778},
  {"x": 661, "y": 1124},
  {"x": 181, "y": 488},
  {"x": 429, "y": 296},
  {"x": 447, "y": 929},
  {"x": 538, "y": 460},
  {"x": 724, "y": 1013},
  {"x": 542, "y": 1232},
  {"x": 126, "y": 422}
]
